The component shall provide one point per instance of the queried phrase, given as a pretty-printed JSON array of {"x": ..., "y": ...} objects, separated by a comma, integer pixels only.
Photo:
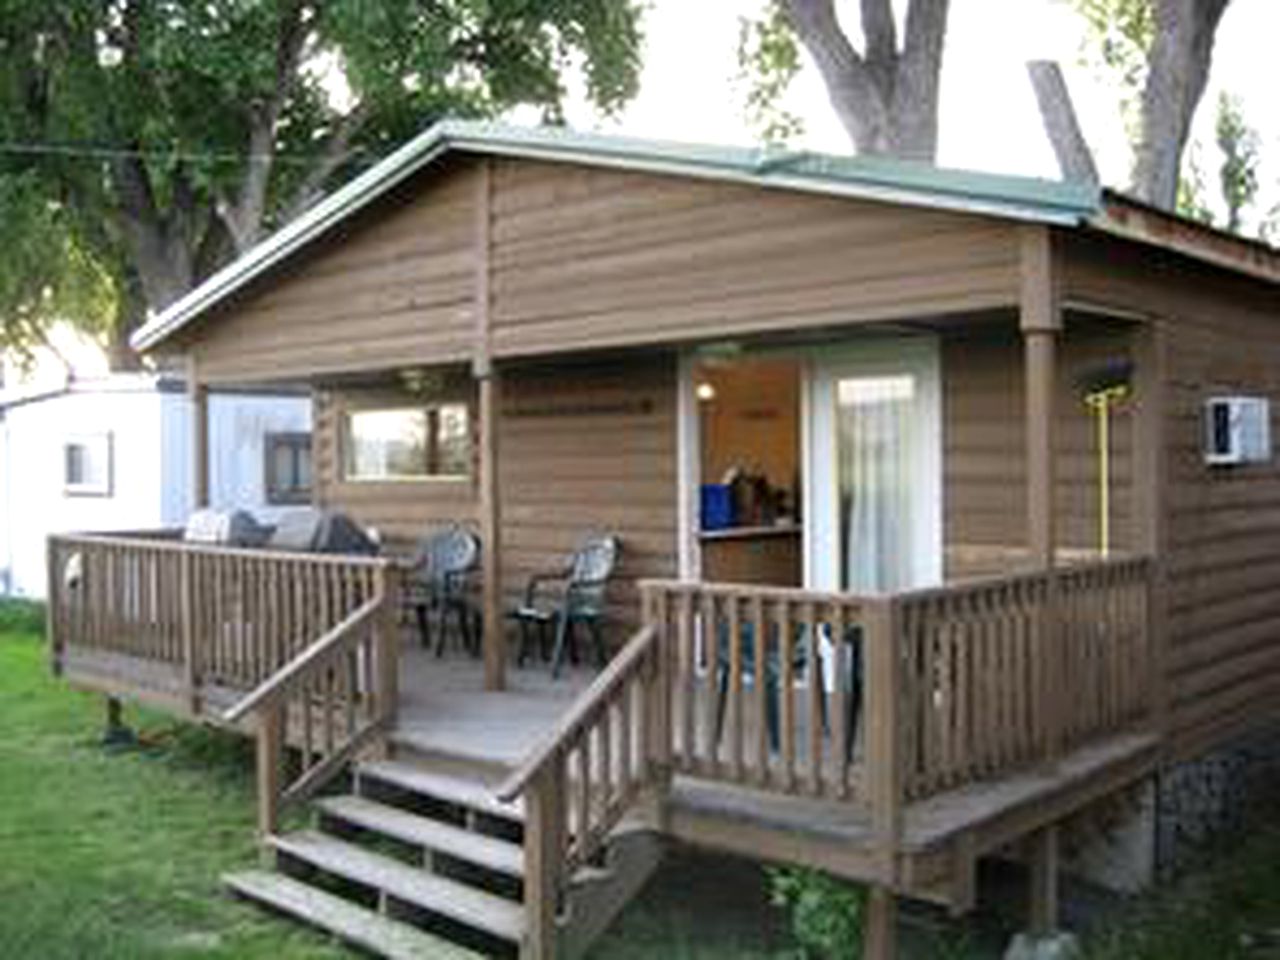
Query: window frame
[
  {"x": 274, "y": 493},
  {"x": 103, "y": 444}
]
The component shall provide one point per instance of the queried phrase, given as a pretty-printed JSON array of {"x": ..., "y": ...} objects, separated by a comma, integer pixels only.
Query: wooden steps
[
  {"x": 498, "y": 917},
  {"x": 499, "y": 856},
  {"x": 458, "y": 791},
  {"x": 431, "y": 847},
  {"x": 342, "y": 918}
]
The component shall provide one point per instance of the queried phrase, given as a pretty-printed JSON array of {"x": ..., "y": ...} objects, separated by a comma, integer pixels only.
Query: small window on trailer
[
  {"x": 86, "y": 465},
  {"x": 287, "y": 462}
]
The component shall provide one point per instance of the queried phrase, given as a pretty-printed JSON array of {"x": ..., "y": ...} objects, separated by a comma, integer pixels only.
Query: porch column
[
  {"x": 495, "y": 647},
  {"x": 1041, "y": 323},
  {"x": 198, "y": 394}
]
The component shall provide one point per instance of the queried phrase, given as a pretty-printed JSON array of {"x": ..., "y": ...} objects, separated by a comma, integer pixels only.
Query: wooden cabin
[{"x": 925, "y": 546}]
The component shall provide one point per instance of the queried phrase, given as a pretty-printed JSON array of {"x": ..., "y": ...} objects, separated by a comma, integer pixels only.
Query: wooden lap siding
[
  {"x": 583, "y": 448},
  {"x": 984, "y": 447},
  {"x": 1222, "y": 524},
  {"x": 590, "y": 449},
  {"x": 589, "y": 258},
  {"x": 393, "y": 287}
]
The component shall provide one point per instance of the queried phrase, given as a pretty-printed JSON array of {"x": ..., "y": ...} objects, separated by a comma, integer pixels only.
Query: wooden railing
[
  {"x": 219, "y": 618},
  {"x": 329, "y": 701},
  {"x": 587, "y": 773},
  {"x": 1010, "y": 671},
  {"x": 976, "y": 678},
  {"x": 766, "y": 684}
]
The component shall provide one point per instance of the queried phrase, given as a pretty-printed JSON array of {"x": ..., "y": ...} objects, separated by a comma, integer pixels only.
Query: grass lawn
[{"x": 117, "y": 855}]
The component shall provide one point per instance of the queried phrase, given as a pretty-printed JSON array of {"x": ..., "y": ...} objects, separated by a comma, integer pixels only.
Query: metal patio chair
[
  {"x": 439, "y": 583},
  {"x": 566, "y": 598}
]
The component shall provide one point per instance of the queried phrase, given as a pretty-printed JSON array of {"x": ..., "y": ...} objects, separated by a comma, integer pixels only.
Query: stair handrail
[
  {"x": 615, "y": 673},
  {"x": 570, "y": 813},
  {"x": 335, "y": 697},
  {"x": 277, "y": 686}
]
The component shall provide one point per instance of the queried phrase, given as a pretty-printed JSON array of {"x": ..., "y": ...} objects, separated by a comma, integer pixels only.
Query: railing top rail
[
  {"x": 997, "y": 580},
  {"x": 138, "y": 541},
  {"x": 604, "y": 685},
  {"x": 764, "y": 592},
  {"x": 280, "y": 682}
]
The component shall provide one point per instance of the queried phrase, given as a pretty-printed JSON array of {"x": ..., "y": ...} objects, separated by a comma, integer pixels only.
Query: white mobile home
[{"x": 114, "y": 453}]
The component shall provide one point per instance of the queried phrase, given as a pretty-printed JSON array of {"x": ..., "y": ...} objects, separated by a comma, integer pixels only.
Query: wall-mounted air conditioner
[{"x": 1237, "y": 430}]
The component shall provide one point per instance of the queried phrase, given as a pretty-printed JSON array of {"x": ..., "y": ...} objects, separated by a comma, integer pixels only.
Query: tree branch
[
  {"x": 337, "y": 151},
  {"x": 881, "y": 32},
  {"x": 851, "y": 87},
  {"x": 916, "y": 92},
  {"x": 243, "y": 217}
]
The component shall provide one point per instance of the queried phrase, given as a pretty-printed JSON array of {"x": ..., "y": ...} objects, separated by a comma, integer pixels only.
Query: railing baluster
[
  {"x": 786, "y": 691},
  {"x": 817, "y": 691},
  {"x": 734, "y": 712},
  {"x": 761, "y": 687}
]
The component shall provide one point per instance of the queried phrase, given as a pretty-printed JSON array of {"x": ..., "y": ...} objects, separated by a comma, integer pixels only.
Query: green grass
[{"x": 117, "y": 855}]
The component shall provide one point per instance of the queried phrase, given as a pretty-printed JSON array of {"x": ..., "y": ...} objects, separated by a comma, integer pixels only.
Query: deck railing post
[
  {"x": 387, "y": 646},
  {"x": 53, "y": 608},
  {"x": 270, "y": 752},
  {"x": 544, "y": 855},
  {"x": 186, "y": 612},
  {"x": 884, "y": 755},
  {"x": 1055, "y": 672}
]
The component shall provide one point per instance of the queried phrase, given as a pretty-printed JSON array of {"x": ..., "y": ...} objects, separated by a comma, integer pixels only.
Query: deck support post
[
  {"x": 269, "y": 754},
  {"x": 880, "y": 927},
  {"x": 198, "y": 395},
  {"x": 1042, "y": 915},
  {"x": 116, "y": 733}
]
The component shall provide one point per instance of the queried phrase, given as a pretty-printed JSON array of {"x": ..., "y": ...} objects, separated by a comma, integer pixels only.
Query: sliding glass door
[{"x": 875, "y": 450}]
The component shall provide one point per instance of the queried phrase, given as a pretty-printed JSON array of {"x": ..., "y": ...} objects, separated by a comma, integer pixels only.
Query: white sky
[{"x": 989, "y": 119}]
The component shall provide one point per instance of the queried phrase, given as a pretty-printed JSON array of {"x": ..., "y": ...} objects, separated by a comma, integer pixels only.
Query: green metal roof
[{"x": 893, "y": 181}]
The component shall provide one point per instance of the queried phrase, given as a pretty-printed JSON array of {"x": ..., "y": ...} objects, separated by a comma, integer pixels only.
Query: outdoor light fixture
[{"x": 705, "y": 391}]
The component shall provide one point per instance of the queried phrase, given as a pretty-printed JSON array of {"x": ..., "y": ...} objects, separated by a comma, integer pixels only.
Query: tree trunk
[
  {"x": 1178, "y": 69},
  {"x": 1075, "y": 159},
  {"x": 886, "y": 99}
]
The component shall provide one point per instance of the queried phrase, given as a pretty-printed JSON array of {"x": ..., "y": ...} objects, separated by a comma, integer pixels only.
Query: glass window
[
  {"x": 86, "y": 465},
  {"x": 408, "y": 443},
  {"x": 288, "y": 468}
]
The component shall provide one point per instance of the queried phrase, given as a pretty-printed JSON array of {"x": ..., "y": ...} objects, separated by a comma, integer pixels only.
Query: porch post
[
  {"x": 198, "y": 394},
  {"x": 490, "y": 390},
  {"x": 1041, "y": 323},
  {"x": 495, "y": 648}
]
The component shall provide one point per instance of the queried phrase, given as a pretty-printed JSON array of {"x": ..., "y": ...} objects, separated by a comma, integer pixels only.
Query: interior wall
[{"x": 753, "y": 421}]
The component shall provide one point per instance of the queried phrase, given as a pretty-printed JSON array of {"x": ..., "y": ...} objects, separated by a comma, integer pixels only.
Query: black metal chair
[
  {"x": 439, "y": 582},
  {"x": 575, "y": 594}
]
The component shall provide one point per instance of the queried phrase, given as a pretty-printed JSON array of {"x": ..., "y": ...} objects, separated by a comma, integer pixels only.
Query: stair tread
[
  {"x": 456, "y": 790},
  {"x": 344, "y": 919},
  {"x": 475, "y": 908},
  {"x": 491, "y": 853}
]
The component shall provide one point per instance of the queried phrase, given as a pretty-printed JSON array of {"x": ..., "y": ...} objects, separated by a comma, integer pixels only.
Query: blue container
[{"x": 717, "y": 506}]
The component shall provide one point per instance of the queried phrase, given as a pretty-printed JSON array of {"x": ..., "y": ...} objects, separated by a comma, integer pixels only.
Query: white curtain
[{"x": 876, "y": 421}]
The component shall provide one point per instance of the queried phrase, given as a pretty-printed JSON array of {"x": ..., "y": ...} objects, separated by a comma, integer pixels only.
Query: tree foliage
[
  {"x": 149, "y": 141},
  {"x": 885, "y": 94},
  {"x": 1238, "y": 174}
]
